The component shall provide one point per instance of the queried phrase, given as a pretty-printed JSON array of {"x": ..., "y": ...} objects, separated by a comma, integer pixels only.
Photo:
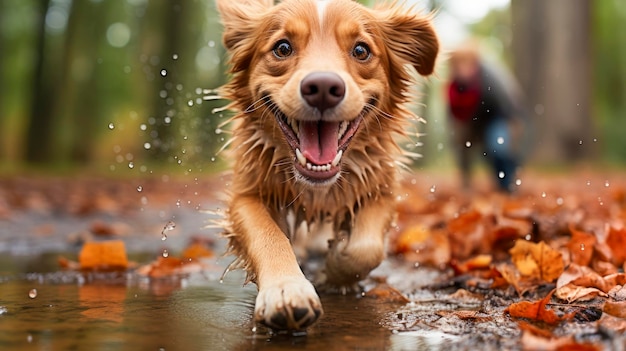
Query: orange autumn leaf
[
  {"x": 197, "y": 250},
  {"x": 474, "y": 263},
  {"x": 411, "y": 237},
  {"x": 581, "y": 283},
  {"x": 169, "y": 267},
  {"x": 537, "y": 311},
  {"x": 537, "y": 260},
  {"x": 616, "y": 240},
  {"x": 615, "y": 308},
  {"x": 581, "y": 246},
  {"x": 103, "y": 256},
  {"x": 386, "y": 293},
  {"x": 465, "y": 221},
  {"x": 419, "y": 244}
]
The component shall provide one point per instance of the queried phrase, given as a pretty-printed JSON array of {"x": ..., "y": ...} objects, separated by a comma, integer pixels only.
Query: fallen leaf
[
  {"x": 474, "y": 263},
  {"x": 581, "y": 283},
  {"x": 197, "y": 250},
  {"x": 615, "y": 308},
  {"x": 616, "y": 240},
  {"x": 581, "y": 246},
  {"x": 170, "y": 267},
  {"x": 386, "y": 293},
  {"x": 103, "y": 256},
  {"x": 537, "y": 260},
  {"x": 537, "y": 311}
]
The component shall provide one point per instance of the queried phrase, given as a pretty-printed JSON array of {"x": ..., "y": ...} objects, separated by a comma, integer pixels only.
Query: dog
[{"x": 318, "y": 90}]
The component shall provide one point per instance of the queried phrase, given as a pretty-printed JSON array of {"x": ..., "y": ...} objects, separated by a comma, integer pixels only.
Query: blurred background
[{"x": 126, "y": 86}]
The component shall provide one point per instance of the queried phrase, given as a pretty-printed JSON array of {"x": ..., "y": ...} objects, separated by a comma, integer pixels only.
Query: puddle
[{"x": 57, "y": 310}]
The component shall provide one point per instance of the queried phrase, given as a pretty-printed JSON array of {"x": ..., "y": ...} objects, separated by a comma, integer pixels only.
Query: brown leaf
[
  {"x": 616, "y": 240},
  {"x": 581, "y": 246},
  {"x": 617, "y": 308},
  {"x": 103, "y": 256},
  {"x": 581, "y": 283},
  {"x": 387, "y": 293},
  {"x": 537, "y": 260},
  {"x": 429, "y": 247},
  {"x": 197, "y": 250},
  {"x": 537, "y": 311},
  {"x": 474, "y": 263},
  {"x": 169, "y": 266}
]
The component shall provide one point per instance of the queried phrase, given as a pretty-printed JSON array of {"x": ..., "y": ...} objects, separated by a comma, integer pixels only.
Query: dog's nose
[{"x": 322, "y": 90}]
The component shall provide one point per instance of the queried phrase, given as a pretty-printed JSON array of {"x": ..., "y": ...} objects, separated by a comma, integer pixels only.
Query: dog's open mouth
[{"x": 318, "y": 145}]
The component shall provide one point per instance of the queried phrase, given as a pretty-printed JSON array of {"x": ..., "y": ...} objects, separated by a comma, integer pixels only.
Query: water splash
[{"x": 168, "y": 227}]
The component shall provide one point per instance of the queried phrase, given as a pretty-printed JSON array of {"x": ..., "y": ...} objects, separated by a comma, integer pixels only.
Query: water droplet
[
  {"x": 131, "y": 165},
  {"x": 147, "y": 146},
  {"x": 501, "y": 175},
  {"x": 190, "y": 103},
  {"x": 163, "y": 72},
  {"x": 175, "y": 57},
  {"x": 143, "y": 126},
  {"x": 165, "y": 253},
  {"x": 518, "y": 182},
  {"x": 468, "y": 144},
  {"x": 559, "y": 201},
  {"x": 139, "y": 188},
  {"x": 580, "y": 142},
  {"x": 433, "y": 188},
  {"x": 606, "y": 183},
  {"x": 32, "y": 293},
  {"x": 543, "y": 194},
  {"x": 500, "y": 140},
  {"x": 169, "y": 226},
  {"x": 218, "y": 131},
  {"x": 167, "y": 120},
  {"x": 582, "y": 247},
  {"x": 111, "y": 125},
  {"x": 254, "y": 329}
]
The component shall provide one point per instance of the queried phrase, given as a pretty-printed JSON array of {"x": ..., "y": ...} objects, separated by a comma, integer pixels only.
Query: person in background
[{"x": 485, "y": 118}]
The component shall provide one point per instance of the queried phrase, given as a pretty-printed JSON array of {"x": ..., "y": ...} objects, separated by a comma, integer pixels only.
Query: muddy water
[{"x": 53, "y": 310}]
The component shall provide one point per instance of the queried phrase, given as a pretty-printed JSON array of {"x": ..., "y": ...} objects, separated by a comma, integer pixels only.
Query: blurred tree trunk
[
  {"x": 87, "y": 21},
  {"x": 551, "y": 46},
  {"x": 163, "y": 38},
  {"x": 40, "y": 127}
]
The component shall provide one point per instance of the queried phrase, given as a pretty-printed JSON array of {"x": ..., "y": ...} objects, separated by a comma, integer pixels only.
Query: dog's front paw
[{"x": 288, "y": 305}]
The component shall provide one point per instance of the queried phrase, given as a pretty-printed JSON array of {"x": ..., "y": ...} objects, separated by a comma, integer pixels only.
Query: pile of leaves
[{"x": 556, "y": 249}]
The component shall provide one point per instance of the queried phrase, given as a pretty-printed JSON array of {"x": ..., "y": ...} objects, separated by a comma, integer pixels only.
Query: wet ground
[{"x": 46, "y": 307}]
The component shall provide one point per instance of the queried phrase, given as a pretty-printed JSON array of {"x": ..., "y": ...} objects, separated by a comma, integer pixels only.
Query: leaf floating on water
[{"x": 103, "y": 256}]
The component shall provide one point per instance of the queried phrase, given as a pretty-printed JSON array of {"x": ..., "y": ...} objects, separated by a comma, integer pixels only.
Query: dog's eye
[
  {"x": 282, "y": 49},
  {"x": 361, "y": 52}
]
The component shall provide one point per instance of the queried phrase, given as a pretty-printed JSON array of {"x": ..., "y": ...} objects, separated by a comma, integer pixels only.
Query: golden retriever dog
[{"x": 318, "y": 89}]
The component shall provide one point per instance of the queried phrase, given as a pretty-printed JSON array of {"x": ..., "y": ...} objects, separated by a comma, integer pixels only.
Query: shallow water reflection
[{"x": 71, "y": 312}]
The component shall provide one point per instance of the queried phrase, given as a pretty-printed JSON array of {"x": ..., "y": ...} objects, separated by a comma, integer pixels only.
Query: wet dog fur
[{"x": 318, "y": 89}]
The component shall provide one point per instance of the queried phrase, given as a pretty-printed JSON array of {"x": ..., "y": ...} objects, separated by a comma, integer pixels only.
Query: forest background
[{"x": 127, "y": 85}]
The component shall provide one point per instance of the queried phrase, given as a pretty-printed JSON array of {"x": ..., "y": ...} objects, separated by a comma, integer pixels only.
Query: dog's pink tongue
[{"x": 319, "y": 141}]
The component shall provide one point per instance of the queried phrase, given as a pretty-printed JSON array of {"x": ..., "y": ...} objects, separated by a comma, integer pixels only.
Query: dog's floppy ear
[
  {"x": 409, "y": 36},
  {"x": 239, "y": 19}
]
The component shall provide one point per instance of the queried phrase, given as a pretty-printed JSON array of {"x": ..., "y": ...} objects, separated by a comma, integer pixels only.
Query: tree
[
  {"x": 39, "y": 132},
  {"x": 551, "y": 46}
]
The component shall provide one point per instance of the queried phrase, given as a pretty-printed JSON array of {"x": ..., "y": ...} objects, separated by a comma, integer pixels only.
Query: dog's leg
[
  {"x": 286, "y": 299},
  {"x": 352, "y": 255}
]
